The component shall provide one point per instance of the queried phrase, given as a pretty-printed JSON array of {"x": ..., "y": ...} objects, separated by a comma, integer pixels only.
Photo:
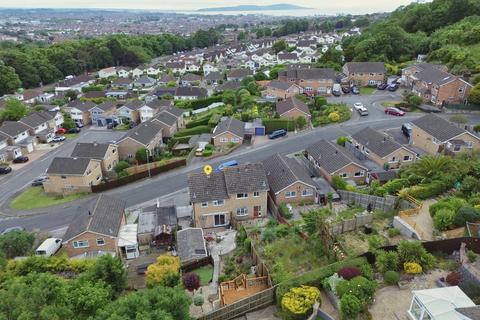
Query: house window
[
  {"x": 242, "y": 195},
  {"x": 204, "y": 204},
  {"x": 469, "y": 144},
  {"x": 457, "y": 147},
  {"x": 307, "y": 192},
  {"x": 407, "y": 158},
  {"x": 217, "y": 203},
  {"x": 256, "y": 194},
  {"x": 222, "y": 139},
  {"x": 242, "y": 211},
  {"x": 343, "y": 175},
  {"x": 80, "y": 244},
  {"x": 290, "y": 194},
  {"x": 460, "y": 90},
  {"x": 219, "y": 220},
  {"x": 394, "y": 159},
  {"x": 360, "y": 173},
  {"x": 100, "y": 242},
  {"x": 64, "y": 177}
]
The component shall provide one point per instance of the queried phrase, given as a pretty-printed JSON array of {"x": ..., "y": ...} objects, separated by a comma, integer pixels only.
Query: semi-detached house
[
  {"x": 105, "y": 152},
  {"x": 229, "y": 130},
  {"x": 364, "y": 73},
  {"x": 233, "y": 196},
  {"x": 146, "y": 135},
  {"x": 312, "y": 80}
]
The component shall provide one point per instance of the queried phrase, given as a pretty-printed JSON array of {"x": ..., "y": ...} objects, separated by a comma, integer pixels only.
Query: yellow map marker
[{"x": 207, "y": 169}]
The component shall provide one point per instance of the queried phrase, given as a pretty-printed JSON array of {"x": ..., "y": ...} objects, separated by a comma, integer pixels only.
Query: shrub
[
  {"x": 391, "y": 277},
  {"x": 348, "y": 273},
  {"x": 342, "y": 140},
  {"x": 121, "y": 165},
  {"x": 444, "y": 219},
  {"x": 395, "y": 185},
  {"x": 165, "y": 264},
  {"x": 334, "y": 117},
  {"x": 275, "y": 124},
  {"x": 466, "y": 214},
  {"x": 367, "y": 271},
  {"x": 412, "y": 267},
  {"x": 207, "y": 153},
  {"x": 298, "y": 302},
  {"x": 284, "y": 212},
  {"x": 413, "y": 251},
  {"x": 350, "y": 306},
  {"x": 471, "y": 256},
  {"x": 282, "y": 230},
  {"x": 415, "y": 100},
  {"x": 191, "y": 281},
  {"x": 338, "y": 183},
  {"x": 453, "y": 278},
  {"x": 392, "y": 232},
  {"x": 386, "y": 260},
  {"x": 360, "y": 287},
  {"x": 375, "y": 241},
  {"x": 198, "y": 300},
  {"x": 192, "y": 131}
]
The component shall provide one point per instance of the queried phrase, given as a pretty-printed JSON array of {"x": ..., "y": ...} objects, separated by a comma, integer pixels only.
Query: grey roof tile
[
  {"x": 330, "y": 156},
  {"x": 245, "y": 178},
  {"x": 13, "y": 128},
  {"x": 203, "y": 188},
  {"x": 366, "y": 67},
  {"x": 290, "y": 104},
  {"x": 191, "y": 244},
  {"x": 438, "y": 127},
  {"x": 68, "y": 166},
  {"x": 90, "y": 150},
  {"x": 308, "y": 73},
  {"x": 144, "y": 132},
  {"x": 377, "y": 142},
  {"x": 231, "y": 125}
]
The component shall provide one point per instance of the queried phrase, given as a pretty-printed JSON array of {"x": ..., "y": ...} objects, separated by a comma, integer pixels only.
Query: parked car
[
  {"x": 394, "y": 111},
  {"x": 231, "y": 163},
  {"x": 39, "y": 181},
  {"x": 61, "y": 131},
  {"x": 360, "y": 108},
  {"x": 337, "y": 90},
  {"x": 277, "y": 134},
  {"x": 407, "y": 129},
  {"x": 58, "y": 139},
  {"x": 74, "y": 130},
  {"x": 5, "y": 170},
  {"x": 355, "y": 90},
  {"x": 346, "y": 89},
  {"x": 79, "y": 124},
  {"x": 49, "y": 247},
  {"x": 392, "y": 87},
  {"x": 21, "y": 159},
  {"x": 382, "y": 86},
  {"x": 11, "y": 229}
]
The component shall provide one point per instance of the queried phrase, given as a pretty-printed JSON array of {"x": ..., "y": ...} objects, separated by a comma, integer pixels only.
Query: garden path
[{"x": 424, "y": 221}]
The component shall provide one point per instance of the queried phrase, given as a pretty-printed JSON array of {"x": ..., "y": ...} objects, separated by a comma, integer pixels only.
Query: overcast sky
[{"x": 350, "y": 6}]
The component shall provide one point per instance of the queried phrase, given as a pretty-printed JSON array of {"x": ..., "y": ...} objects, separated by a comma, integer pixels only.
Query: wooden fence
[
  {"x": 384, "y": 204},
  {"x": 137, "y": 176},
  {"x": 192, "y": 265},
  {"x": 350, "y": 224},
  {"x": 241, "y": 307}
]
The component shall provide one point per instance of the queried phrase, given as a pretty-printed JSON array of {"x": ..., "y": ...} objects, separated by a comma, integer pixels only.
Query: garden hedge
[
  {"x": 275, "y": 124},
  {"x": 315, "y": 276},
  {"x": 201, "y": 121},
  {"x": 192, "y": 131},
  {"x": 202, "y": 103}
]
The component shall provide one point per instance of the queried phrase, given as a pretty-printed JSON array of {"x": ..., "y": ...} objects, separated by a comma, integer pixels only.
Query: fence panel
[{"x": 379, "y": 203}]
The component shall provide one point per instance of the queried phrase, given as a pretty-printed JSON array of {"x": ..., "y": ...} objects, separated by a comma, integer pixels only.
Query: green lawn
[
  {"x": 205, "y": 274},
  {"x": 70, "y": 135},
  {"x": 387, "y": 104},
  {"x": 34, "y": 198},
  {"x": 367, "y": 90}
]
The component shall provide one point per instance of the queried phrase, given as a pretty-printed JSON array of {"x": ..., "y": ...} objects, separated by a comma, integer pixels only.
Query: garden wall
[
  {"x": 351, "y": 224},
  {"x": 384, "y": 204},
  {"x": 405, "y": 228}
]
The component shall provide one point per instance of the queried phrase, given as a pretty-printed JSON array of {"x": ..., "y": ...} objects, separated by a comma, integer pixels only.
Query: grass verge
[
  {"x": 70, "y": 135},
  {"x": 367, "y": 90},
  {"x": 34, "y": 198},
  {"x": 205, "y": 273}
]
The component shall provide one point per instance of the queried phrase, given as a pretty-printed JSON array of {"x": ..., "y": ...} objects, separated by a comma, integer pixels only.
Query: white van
[{"x": 49, "y": 247}]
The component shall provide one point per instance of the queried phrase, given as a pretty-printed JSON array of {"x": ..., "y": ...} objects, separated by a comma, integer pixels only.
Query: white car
[
  {"x": 58, "y": 139},
  {"x": 360, "y": 108}
]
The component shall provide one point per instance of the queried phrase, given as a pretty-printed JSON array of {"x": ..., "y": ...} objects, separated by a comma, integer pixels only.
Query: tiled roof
[
  {"x": 166, "y": 118},
  {"x": 34, "y": 119},
  {"x": 90, "y": 150},
  {"x": 144, "y": 133},
  {"x": 134, "y": 104},
  {"x": 282, "y": 172},
  {"x": 103, "y": 216},
  {"x": 81, "y": 105},
  {"x": 231, "y": 125},
  {"x": 290, "y": 104},
  {"x": 308, "y": 73},
  {"x": 203, "y": 188},
  {"x": 107, "y": 105},
  {"x": 191, "y": 244},
  {"x": 431, "y": 73},
  {"x": 13, "y": 128},
  {"x": 214, "y": 76},
  {"x": 68, "y": 166},
  {"x": 245, "y": 178},
  {"x": 190, "y": 92},
  {"x": 470, "y": 312},
  {"x": 438, "y": 127},
  {"x": 330, "y": 156},
  {"x": 378, "y": 143},
  {"x": 279, "y": 85},
  {"x": 240, "y": 73},
  {"x": 177, "y": 112},
  {"x": 366, "y": 67},
  {"x": 190, "y": 77}
]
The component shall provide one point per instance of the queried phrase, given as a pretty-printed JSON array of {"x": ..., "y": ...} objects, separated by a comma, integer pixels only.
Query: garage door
[{"x": 259, "y": 131}]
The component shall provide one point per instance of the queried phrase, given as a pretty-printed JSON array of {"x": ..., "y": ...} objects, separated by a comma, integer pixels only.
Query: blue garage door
[{"x": 259, "y": 131}]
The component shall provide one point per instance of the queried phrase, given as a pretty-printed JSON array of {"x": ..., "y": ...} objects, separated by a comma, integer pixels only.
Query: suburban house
[
  {"x": 144, "y": 82},
  {"x": 166, "y": 79},
  {"x": 384, "y": 150},
  {"x": 153, "y": 71},
  {"x": 80, "y": 111},
  {"x": 168, "y": 122},
  {"x": 17, "y": 134},
  {"x": 123, "y": 72},
  {"x": 105, "y": 152},
  {"x": 157, "y": 224},
  {"x": 312, "y": 80},
  {"x": 146, "y": 135},
  {"x": 236, "y": 194},
  {"x": 288, "y": 180},
  {"x": 364, "y": 73},
  {"x": 229, "y": 130},
  {"x": 331, "y": 160},
  {"x": 176, "y": 112},
  {"x": 214, "y": 78},
  {"x": 72, "y": 175},
  {"x": 123, "y": 83},
  {"x": 38, "y": 123},
  {"x": 209, "y": 68},
  {"x": 176, "y": 67},
  {"x": 138, "y": 72},
  {"x": 239, "y": 74},
  {"x": 95, "y": 230},
  {"x": 189, "y": 93},
  {"x": 4, "y": 154},
  {"x": 130, "y": 111},
  {"x": 72, "y": 83},
  {"x": 107, "y": 72},
  {"x": 434, "y": 84},
  {"x": 103, "y": 113},
  {"x": 435, "y": 135},
  {"x": 282, "y": 90},
  {"x": 292, "y": 108},
  {"x": 191, "y": 245},
  {"x": 287, "y": 57},
  {"x": 55, "y": 118},
  {"x": 190, "y": 79}
]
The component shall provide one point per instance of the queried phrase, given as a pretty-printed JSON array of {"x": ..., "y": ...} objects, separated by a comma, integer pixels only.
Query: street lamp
[{"x": 148, "y": 163}]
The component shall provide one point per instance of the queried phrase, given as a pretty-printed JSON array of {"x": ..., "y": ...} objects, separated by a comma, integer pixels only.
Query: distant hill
[{"x": 280, "y": 6}]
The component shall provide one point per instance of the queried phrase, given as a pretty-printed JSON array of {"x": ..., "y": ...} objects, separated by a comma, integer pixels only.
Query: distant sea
[{"x": 277, "y": 13}]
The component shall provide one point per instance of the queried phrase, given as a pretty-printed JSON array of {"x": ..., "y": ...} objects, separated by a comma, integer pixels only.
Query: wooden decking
[{"x": 241, "y": 287}]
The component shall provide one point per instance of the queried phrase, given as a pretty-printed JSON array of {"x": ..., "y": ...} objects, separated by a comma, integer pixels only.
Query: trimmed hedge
[
  {"x": 202, "y": 103},
  {"x": 192, "y": 131},
  {"x": 275, "y": 124},
  {"x": 201, "y": 121},
  {"x": 315, "y": 276}
]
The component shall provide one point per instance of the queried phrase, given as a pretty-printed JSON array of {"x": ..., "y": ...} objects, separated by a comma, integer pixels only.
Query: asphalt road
[{"x": 58, "y": 217}]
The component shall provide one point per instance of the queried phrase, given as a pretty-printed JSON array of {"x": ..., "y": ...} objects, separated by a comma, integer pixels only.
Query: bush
[
  {"x": 412, "y": 267},
  {"x": 284, "y": 212},
  {"x": 367, "y": 271},
  {"x": 386, "y": 261},
  {"x": 202, "y": 103},
  {"x": 395, "y": 185},
  {"x": 348, "y": 273},
  {"x": 192, "y": 131},
  {"x": 466, "y": 214},
  {"x": 391, "y": 277},
  {"x": 298, "y": 302},
  {"x": 121, "y": 165},
  {"x": 453, "y": 278},
  {"x": 451, "y": 203},
  {"x": 413, "y": 251},
  {"x": 334, "y": 117},
  {"x": 163, "y": 266},
  {"x": 338, "y": 183},
  {"x": 360, "y": 287},
  {"x": 415, "y": 100},
  {"x": 342, "y": 140},
  {"x": 444, "y": 219},
  {"x": 350, "y": 306},
  {"x": 191, "y": 281},
  {"x": 275, "y": 124},
  {"x": 392, "y": 232}
]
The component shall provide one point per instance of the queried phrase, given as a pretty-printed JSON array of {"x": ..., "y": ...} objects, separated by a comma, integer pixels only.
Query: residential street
[{"x": 146, "y": 190}]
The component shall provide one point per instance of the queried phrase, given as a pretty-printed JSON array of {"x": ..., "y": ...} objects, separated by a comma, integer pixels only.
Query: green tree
[
  {"x": 300, "y": 122},
  {"x": 242, "y": 35},
  {"x": 121, "y": 166},
  {"x": 142, "y": 155},
  {"x": 85, "y": 297},
  {"x": 474, "y": 96},
  {"x": 16, "y": 243},
  {"x": 279, "y": 46},
  {"x": 315, "y": 221},
  {"x": 71, "y": 95},
  {"x": 68, "y": 122},
  {"x": 9, "y": 80},
  {"x": 111, "y": 271},
  {"x": 14, "y": 110}
]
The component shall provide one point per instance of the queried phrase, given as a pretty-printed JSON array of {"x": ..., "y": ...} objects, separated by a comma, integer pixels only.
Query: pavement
[{"x": 163, "y": 185}]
